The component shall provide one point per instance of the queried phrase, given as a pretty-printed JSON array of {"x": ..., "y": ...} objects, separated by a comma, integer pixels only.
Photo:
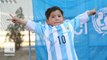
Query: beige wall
[
  {"x": 10, "y": 8},
  {"x": 7, "y": 8}
]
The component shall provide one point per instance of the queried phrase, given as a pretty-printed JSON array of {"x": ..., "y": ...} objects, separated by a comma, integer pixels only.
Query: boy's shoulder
[{"x": 66, "y": 20}]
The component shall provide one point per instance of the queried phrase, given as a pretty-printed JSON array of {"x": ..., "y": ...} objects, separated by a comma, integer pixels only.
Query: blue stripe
[
  {"x": 72, "y": 44},
  {"x": 41, "y": 53},
  {"x": 53, "y": 52},
  {"x": 62, "y": 45}
]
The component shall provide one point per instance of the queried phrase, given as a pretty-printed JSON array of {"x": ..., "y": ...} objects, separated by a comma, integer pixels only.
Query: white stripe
[
  {"x": 72, "y": 30},
  {"x": 47, "y": 43},
  {"x": 68, "y": 47},
  {"x": 57, "y": 46}
]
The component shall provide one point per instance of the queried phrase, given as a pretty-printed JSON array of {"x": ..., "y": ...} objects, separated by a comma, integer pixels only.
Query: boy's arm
[
  {"x": 30, "y": 25},
  {"x": 82, "y": 18},
  {"x": 17, "y": 20},
  {"x": 85, "y": 16}
]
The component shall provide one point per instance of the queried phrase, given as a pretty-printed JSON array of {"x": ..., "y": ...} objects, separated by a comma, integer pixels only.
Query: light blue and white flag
[{"x": 90, "y": 39}]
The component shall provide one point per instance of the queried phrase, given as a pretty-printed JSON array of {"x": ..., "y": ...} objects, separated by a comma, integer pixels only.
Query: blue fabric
[
  {"x": 90, "y": 39},
  {"x": 41, "y": 53}
]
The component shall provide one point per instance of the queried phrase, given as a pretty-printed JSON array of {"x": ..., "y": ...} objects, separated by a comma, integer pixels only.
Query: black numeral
[{"x": 62, "y": 39}]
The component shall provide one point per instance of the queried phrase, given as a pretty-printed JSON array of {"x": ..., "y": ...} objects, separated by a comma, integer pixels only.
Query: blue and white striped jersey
[{"x": 59, "y": 40}]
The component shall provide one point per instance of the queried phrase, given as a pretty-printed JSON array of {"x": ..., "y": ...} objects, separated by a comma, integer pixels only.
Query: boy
[{"x": 57, "y": 32}]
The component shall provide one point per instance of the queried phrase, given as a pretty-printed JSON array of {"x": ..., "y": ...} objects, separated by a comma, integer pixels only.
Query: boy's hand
[
  {"x": 91, "y": 12},
  {"x": 17, "y": 20},
  {"x": 13, "y": 19}
]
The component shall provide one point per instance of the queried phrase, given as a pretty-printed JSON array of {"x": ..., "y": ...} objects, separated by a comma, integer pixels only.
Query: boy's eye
[
  {"x": 59, "y": 16},
  {"x": 53, "y": 16}
]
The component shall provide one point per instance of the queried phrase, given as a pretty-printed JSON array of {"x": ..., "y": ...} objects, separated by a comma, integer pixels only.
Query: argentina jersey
[{"x": 59, "y": 41}]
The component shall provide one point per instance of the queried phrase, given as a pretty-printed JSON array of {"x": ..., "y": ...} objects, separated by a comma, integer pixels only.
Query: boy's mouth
[{"x": 58, "y": 23}]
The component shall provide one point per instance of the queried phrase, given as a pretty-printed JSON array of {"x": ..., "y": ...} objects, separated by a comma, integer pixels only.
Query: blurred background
[{"x": 15, "y": 35}]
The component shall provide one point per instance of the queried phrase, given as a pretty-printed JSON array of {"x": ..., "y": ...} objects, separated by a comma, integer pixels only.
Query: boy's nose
[{"x": 57, "y": 17}]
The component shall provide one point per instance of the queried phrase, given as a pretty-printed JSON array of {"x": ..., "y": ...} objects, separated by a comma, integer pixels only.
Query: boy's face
[{"x": 55, "y": 18}]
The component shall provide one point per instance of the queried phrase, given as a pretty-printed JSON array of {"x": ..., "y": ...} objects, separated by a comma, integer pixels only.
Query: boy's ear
[{"x": 47, "y": 21}]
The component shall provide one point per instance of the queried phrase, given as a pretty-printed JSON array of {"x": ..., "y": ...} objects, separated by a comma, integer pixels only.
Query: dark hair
[{"x": 50, "y": 10}]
